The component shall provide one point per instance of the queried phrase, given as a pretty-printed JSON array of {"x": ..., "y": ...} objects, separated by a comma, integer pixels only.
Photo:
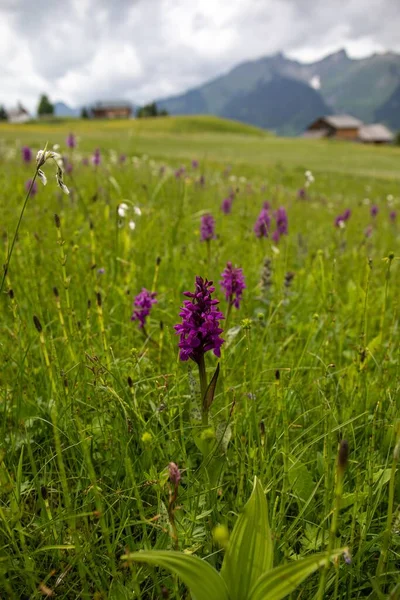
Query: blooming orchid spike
[
  {"x": 233, "y": 283},
  {"x": 261, "y": 227},
  {"x": 207, "y": 228},
  {"x": 199, "y": 330},
  {"x": 142, "y": 306}
]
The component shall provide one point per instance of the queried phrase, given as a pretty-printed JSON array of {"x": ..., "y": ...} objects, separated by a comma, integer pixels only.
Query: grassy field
[{"x": 95, "y": 409}]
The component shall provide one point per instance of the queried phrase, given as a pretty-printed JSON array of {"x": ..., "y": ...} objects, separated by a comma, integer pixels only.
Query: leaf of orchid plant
[
  {"x": 281, "y": 581},
  {"x": 209, "y": 395},
  {"x": 250, "y": 550},
  {"x": 203, "y": 581}
]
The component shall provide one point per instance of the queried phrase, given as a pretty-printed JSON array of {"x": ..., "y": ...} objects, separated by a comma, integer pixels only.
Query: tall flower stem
[
  {"x": 203, "y": 389},
  {"x": 7, "y": 264},
  {"x": 228, "y": 313},
  {"x": 208, "y": 254}
]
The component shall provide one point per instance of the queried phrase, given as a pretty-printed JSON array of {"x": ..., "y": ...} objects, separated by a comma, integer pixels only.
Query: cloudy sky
[{"x": 80, "y": 51}]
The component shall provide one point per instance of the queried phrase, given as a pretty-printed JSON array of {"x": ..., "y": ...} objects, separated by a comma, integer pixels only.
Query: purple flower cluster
[
  {"x": 143, "y": 303},
  {"x": 26, "y": 154},
  {"x": 96, "y": 158},
  {"x": 262, "y": 225},
  {"x": 71, "y": 141},
  {"x": 180, "y": 172},
  {"x": 226, "y": 205},
  {"x": 199, "y": 331},
  {"x": 207, "y": 228},
  {"x": 233, "y": 283},
  {"x": 281, "y": 220},
  {"x": 393, "y": 216},
  {"x": 374, "y": 210},
  {"x": 195, "y": 163},
  {"x": 342, "y": 218}
]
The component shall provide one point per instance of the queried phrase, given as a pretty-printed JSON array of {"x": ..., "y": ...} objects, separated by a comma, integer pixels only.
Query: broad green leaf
[
  {"x": 250, "y": 550},
  {"x": 281, "y": 581},
  {"x": 202, "y": 579}
]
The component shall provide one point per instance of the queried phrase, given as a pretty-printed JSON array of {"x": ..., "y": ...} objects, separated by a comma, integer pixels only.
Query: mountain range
[{"x": 285, "y": 95}]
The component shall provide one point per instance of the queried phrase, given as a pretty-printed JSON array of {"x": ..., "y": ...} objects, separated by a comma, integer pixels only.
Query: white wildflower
[
  {"x": 42, "y": 176},
  {"x": 132, "y": 225},
  {"x": 41, "y": 158},
  {"x": 137, "y": 211},
  {"x": 122, "y": 209}
]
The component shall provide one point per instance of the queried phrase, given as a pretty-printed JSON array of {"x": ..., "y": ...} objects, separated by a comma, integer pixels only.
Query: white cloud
[{"x": 83, "y": 50}]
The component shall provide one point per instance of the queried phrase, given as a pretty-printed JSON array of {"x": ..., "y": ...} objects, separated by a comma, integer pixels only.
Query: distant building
[
  {"x": 18, "y": 115},
  {"x": 346, "y": 127},
  {"x": 341, "y": 127},
  {"x": 111, "y": 110},
  {"x": 375, "y": 134}
]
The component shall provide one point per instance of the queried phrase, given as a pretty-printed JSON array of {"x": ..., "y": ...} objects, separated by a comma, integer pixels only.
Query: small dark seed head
[
  {"x": 55, "y": 292},
  {"x": 130, "y": 382},
  {"x": 43, "y": 491},
  {"x": 98, "y": 298},
  {"x": 57, "y": 221},
  {"x": 161, "y": 325},
  {"x": 11, "y": 294},
  {"x": 89, "y": 303},
  {"x": 91, "y": 225},
  {"x": 65, "y": 382},
  {"x": 262, "y": 428},
  {"x": 277, "y": 375},
  {"x": 158, "y": 261},
  {"x": 37, "y": 323},
  {"x": 343, "y": 456}
]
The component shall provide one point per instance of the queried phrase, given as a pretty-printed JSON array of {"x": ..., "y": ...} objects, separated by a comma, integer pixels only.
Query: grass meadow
[{"x": 95, "y": 409}]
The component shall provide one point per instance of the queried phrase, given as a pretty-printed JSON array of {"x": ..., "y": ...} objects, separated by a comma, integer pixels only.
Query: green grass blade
[
  {"x": 281, "y": 581},
  {"x": 250, "y": 550},
  {"x": 202, "y": 579}
]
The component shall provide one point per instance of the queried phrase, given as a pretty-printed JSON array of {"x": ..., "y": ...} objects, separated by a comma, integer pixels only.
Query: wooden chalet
[
  {"x": 346, "y": 127},
  {"x": 111, "y": 110},
  {"x": 375, "y": 134},
  {"x": 341, "y": 127}
]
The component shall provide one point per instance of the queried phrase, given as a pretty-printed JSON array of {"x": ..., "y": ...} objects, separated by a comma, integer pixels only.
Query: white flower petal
[{"x": 42, "y": 176}]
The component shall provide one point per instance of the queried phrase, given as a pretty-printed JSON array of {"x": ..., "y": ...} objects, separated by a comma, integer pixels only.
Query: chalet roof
[
  {"x": 375, "y": 133},
  {"x": 342, "y": 121}
]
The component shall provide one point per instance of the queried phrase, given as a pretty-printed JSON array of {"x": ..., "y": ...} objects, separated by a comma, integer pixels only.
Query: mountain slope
[
  {"x": 358, "y": 87},
  {"x": 63, "y": 110},
  {"x": 281, "y": 104},
  {"x": 389, "y": 112}
]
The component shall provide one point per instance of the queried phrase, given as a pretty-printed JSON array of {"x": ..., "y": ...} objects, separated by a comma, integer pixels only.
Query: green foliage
[
  {"x": 45, "y": 107},
  {"x": 3, "y": 114},
  {"x": 198, "y": 575},
  {"x": 150, "y": 110},
  {"x": 246, "y": 572},
  {"x": 84, "y": 113}
]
